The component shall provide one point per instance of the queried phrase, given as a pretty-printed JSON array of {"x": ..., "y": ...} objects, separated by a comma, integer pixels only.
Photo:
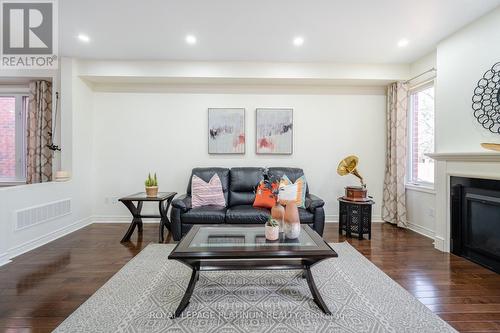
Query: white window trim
[
  {"x": 417, "y": 186},
  {"x": 20, "y": 140},
  {"x": 427, "y": 188}
]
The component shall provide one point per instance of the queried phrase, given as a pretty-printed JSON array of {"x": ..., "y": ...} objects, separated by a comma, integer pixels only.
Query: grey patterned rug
[{"x": 143, "y": 294}]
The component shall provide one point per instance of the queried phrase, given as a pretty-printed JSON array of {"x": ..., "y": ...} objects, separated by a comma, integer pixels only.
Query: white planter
[{"x": 272, "y": 233}]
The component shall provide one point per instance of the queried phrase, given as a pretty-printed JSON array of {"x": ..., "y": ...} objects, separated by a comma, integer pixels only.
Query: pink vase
[{"x": 278, "y": 213}]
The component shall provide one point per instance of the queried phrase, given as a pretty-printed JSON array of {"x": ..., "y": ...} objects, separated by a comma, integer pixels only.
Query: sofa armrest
[
  {"x": 313, "y": 202},
  {"x": 183, "y": 203}
]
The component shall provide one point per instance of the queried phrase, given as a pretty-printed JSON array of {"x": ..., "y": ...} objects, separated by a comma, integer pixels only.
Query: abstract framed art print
[
  {"x": 226, "y": 131},
  {"x": 274, "y": 131}
]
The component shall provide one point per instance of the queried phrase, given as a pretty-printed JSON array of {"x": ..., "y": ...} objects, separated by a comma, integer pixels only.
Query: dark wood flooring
[{"x": 41, "y": 288}]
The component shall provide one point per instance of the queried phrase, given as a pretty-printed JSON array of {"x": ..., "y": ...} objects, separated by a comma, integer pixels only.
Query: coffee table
[{"x": 244, "y": 247}]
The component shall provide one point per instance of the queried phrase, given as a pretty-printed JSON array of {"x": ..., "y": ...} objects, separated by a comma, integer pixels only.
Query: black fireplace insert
[{"x": 475, "y": 220}]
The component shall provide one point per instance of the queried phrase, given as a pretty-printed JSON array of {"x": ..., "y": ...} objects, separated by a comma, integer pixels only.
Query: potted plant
[
  {"x": 151, "y": 186},
  {"x": 272, "y": 229}
]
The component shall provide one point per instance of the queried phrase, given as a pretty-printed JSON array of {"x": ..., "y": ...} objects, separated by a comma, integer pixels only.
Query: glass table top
[{"x": 245, "y": 237}]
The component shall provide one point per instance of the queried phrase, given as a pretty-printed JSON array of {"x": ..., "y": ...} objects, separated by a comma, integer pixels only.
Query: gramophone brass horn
[{"x": 348, "y": 166}]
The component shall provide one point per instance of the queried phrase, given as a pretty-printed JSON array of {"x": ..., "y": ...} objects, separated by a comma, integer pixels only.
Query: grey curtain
[
  {"x": 394, "y": 195},
  {"x": 39, "y": 125}
]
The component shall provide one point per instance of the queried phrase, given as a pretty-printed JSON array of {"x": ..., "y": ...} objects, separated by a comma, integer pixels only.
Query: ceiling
[{"x": 354, "y": 31}]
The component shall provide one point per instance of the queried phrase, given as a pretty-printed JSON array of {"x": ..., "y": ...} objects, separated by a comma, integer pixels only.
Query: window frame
[
  {"x": 409, "y": 174},
  {"x": 20, "y": 138}
]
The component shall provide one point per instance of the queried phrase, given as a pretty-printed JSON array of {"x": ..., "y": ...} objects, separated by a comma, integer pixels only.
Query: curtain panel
[
  {"x": 39, "y": 128},
  {"x": 394, "y": 194}
]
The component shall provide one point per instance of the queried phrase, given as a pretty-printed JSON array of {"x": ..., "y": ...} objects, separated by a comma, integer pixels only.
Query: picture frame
[
  {"x": 274, "y": 131},
  {"x": 226, "y": 131}
]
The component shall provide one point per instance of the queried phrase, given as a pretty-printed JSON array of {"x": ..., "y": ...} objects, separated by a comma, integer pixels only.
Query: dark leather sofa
[{"x": 238, "y": 185}]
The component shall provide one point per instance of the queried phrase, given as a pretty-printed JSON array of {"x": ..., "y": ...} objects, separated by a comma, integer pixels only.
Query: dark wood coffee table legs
[
  {"x": 315, "y": 292},
  {"x": 136, "y": 219},
  {"x": 195, "y": 275}
]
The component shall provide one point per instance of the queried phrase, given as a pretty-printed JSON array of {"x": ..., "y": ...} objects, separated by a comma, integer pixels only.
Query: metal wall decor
[{"x": 486, "y": 100}]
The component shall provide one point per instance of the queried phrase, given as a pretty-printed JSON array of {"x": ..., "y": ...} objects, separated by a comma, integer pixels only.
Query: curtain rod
[{"x": 422, "y": 74}]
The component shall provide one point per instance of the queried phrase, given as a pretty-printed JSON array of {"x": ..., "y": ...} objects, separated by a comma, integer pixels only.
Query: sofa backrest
[
  {"x": 292, "y": 173},
  {"x": 207, "y": 173},
  {"x": 243, "y": 182}
]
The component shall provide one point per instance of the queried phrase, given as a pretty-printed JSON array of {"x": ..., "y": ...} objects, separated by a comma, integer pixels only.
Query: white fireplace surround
[{"x": 484, "y": 165}]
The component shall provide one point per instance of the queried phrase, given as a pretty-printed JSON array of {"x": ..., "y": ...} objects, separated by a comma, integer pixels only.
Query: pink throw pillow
[{"x": 206, "y": 194}]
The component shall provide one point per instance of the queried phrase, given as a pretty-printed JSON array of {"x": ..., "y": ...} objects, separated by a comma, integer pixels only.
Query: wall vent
[{"x": 42, "y": 213}]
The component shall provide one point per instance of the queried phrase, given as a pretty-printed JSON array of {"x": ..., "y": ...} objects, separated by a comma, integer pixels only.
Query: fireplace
[{"x": 475, "y": 220}]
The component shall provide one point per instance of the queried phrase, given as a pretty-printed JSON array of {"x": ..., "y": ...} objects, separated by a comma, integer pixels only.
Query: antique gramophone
[{"x": 354, "y": 193}]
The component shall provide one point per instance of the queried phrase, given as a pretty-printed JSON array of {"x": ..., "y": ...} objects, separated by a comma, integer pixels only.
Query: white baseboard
[
  {"x": 4, "y": 258},
  {"x": 429, "y": 233},
  {"x": 439, "y": 243},
  {"x": 42, "y": 240}
]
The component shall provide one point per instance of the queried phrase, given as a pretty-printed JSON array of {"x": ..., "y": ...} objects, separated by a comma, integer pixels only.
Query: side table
[
  {"x": 355, "y": 217},
  {"x": 137, "y": 217}
]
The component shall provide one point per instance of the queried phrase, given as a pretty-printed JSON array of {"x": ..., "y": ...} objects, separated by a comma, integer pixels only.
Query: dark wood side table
[
  {"x": 355, "y": 217},
  {"x": 137, "y": 217}
]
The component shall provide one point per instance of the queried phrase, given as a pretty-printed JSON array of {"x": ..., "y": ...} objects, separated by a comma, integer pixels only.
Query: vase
[
  {"x": 278, "y": 213},
  {"x": 292, "y": 220},
  {"x": 272, "y": 233},
  {"x": 151, "y": 191}
]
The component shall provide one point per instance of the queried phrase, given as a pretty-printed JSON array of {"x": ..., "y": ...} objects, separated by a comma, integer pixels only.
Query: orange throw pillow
[{"x": 264, "y": 196}]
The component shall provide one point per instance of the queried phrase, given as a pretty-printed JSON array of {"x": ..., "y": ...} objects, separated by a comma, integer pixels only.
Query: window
[
  {"x": 421, "y": 135},
  {"x": 13, "y": 114}
]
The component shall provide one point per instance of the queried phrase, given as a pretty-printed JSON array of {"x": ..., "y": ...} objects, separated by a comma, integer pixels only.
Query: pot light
[
  {"x": 191, "y": 40},
  {"x": 298, "y": 41},
  {"x": 403, "y": 42},
  {"x": 83, "y": 38}
]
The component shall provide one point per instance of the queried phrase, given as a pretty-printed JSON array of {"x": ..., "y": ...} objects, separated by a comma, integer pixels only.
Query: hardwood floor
[{"x": 41, "y": 288}]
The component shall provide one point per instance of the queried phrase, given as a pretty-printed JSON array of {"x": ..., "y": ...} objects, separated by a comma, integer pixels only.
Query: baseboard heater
[{"x": 34, "y": 215}]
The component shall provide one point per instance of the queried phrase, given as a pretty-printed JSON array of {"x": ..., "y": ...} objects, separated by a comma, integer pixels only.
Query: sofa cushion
[
  {"x": 264, "y": 196},
  {"x": 305, "y": 216},
  {"x": 205, "y": 215},
  {"x": 297, "y": 190},
  {"x": 247, "y": 214},
  {"x": 292, "y": 173},
  {"x": 243, "y": 184},
  {"x": 207, "y": 173},
  {"x": 207, "y": 193}
]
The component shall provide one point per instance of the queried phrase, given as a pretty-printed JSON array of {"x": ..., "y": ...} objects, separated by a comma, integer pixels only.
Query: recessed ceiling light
[
  {"x": 191, "y": 40},
  {"x": 403, "y": 42},
  {"x": 84, "y": 38},
  {"x": 298, "y": 41}
]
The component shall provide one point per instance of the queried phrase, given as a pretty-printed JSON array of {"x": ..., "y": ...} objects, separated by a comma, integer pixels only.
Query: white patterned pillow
[{"x": 207, "y": 194}]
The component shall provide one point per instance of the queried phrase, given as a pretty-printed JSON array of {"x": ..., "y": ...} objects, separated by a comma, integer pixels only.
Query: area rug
[{"x": 142, "y": 296}]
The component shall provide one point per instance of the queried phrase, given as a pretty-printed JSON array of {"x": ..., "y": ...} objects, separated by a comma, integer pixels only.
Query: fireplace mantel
[
  {"x": 467, "y": 157},
  {"x": 482, "y": 165}
]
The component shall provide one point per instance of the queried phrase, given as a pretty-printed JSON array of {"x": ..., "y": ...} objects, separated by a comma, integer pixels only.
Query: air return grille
[{"x": 38, "y": 214}]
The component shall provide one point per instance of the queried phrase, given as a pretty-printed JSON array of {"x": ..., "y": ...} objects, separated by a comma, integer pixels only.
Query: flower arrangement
[{"x": 271, "y": 182}]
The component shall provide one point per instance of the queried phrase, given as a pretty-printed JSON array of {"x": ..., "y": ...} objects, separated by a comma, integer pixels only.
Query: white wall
[
  {"x": 139, "y": 132},
  {"x": 462, "y": 60},
  {"x": 76, "y": 120}
]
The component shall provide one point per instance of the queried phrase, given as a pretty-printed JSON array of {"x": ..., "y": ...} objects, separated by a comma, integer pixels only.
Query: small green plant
[
  {"x": 151, "y": 181},
  {"x": 272, "y": 222}
]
